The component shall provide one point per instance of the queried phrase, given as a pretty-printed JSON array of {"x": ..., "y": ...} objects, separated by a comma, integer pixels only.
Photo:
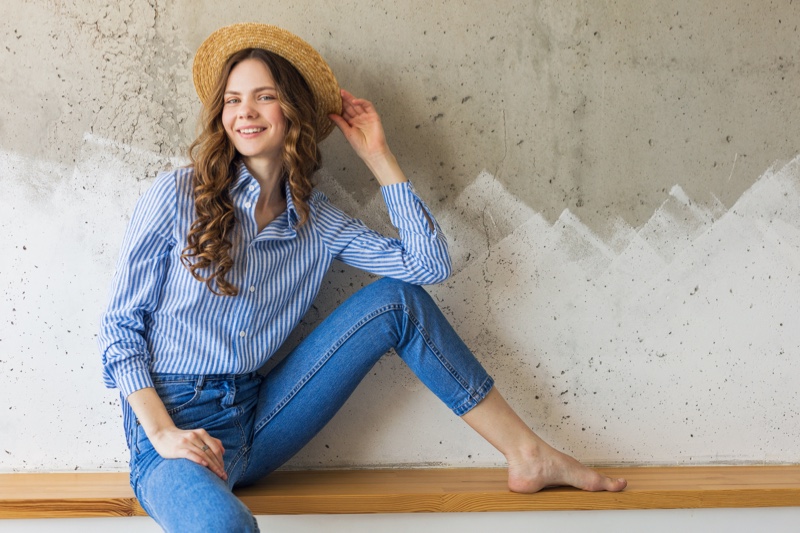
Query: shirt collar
[
  {"x": 290, "y": 209},
  {"x": 243, "y": 178}
]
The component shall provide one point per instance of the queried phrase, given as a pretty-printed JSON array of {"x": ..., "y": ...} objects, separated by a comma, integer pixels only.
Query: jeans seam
[
  {"x": 473, "y": 394},
  {"x": 244, "y": 448},
  {"x": 141, "y": 496},
  {"x": 135, "y": 436}
]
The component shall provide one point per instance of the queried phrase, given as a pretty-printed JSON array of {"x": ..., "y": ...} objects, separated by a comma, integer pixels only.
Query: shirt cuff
[{"x": 134, "y": 381}]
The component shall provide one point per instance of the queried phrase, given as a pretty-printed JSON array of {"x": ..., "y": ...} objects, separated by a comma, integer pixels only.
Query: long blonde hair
[{"x": 212, "y": 154}]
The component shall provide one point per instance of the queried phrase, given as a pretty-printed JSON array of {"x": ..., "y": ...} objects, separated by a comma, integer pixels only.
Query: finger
[
  {"x": 211, "y": 461},
  {"x": 341, "y": 123},
  {"x": 358, "y": 108},
  {"x": 347, "y": 96},
  {"x": 217, "y": 446},
  {"x": 212, "y": 448},
  {"x": 202, "y": 459},
  {"x": 205, "y": 439},
  {"x": 349, "y": 99},
  {"x": 365, "y": 106},
  {"x": 352, "y": 106},
  {"x": 344, "y": 126},
  {"x": 348, "y": 110},
  {"x": 214, "y": 457}
]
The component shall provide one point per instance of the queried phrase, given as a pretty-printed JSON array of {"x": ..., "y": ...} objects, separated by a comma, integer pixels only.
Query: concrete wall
[{"x": 619, "y": 182}]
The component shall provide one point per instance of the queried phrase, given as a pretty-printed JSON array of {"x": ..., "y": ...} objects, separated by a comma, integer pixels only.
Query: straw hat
[{"x": 220, "y": 45}]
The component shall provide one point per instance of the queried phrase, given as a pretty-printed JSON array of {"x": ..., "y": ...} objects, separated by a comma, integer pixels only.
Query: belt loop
[{"x": 200, "y": 382}]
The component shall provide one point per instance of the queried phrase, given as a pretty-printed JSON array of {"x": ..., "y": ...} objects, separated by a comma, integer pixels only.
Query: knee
[
  {"x": 224, "y": 515},
  {"x": 233, "y": 517},
  {"x": 395, "y": 291},
  {"x": 184, "y": 496}
]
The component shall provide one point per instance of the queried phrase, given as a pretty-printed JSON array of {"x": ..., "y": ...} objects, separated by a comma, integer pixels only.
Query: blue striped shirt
[{"x": 161, "y": 320}]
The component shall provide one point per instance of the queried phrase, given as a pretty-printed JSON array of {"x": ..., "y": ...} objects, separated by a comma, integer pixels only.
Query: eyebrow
[{"x": 256, "y": 90}]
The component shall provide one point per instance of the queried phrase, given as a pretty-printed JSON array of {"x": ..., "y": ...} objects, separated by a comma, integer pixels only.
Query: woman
[{"x": 222, "y": 259}]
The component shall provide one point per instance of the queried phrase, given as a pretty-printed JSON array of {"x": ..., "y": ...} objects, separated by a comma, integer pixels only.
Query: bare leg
[{"x": 532, "y": 463}]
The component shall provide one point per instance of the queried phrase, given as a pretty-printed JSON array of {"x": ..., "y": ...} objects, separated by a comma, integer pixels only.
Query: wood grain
[{"x": 414, "y": 491}]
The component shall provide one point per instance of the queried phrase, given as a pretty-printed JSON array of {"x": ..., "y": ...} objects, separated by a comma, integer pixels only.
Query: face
[{"x": 251, "y": 114}]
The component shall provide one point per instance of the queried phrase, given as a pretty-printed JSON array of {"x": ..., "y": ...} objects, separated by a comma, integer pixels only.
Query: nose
[{"x": 246, "y": 110}]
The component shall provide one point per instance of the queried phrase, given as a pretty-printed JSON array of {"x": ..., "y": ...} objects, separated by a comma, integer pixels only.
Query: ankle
[{"x": 528, "y": 452}]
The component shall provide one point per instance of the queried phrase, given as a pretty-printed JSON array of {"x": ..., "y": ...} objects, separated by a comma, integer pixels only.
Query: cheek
[
  {"x": 227, "y": 120},
  {"x": 278, "y": 118},
  {"x": 284, "y": 124}
]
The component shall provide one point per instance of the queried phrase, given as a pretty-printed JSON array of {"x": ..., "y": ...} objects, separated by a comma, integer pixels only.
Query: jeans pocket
[
  {"x": 177, "y": 395},
  {"x": 136, "y": 431}
]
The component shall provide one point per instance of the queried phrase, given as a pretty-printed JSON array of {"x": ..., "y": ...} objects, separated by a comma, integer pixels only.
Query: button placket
[{"x": 248, "y": 203}]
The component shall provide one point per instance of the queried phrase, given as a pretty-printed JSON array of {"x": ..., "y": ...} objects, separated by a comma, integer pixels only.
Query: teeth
[{"x": 251, "y": 130}]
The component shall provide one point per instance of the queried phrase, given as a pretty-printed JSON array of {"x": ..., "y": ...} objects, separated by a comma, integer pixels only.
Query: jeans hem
[{"x": 475, "y": 398}]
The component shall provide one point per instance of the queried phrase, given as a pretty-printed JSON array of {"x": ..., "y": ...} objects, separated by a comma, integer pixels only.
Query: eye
[
  {"x": 231, "y": 100},
  {"x": 266, "y": 97}
]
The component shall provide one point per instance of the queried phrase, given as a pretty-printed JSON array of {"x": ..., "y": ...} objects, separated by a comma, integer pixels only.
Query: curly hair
[{"x": 212, "y": 154}]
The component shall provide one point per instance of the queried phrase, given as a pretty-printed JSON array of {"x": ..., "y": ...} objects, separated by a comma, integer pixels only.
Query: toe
[{"x": 616, "y": 485}]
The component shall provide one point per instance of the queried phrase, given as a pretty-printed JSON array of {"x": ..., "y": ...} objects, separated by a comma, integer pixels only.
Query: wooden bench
[{"x": 70, "y": 495}]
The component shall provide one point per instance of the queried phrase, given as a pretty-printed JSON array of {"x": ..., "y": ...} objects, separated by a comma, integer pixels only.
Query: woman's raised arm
[{"x": 362, "y": 128}]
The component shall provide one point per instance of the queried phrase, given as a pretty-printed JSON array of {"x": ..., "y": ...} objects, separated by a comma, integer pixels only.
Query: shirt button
[
  {"x": 242, "y": 333},
  {"x": 251, "y": 188},
  {"x": 247, "y": 205},
  {"x": 252, "y": 288}
]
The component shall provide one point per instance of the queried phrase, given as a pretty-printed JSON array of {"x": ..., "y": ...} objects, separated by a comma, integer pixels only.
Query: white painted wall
[{"x": 662, "y": 344}]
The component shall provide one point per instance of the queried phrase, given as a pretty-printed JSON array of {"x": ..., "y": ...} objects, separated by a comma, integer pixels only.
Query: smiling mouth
[{"x": 248, "y": 131}]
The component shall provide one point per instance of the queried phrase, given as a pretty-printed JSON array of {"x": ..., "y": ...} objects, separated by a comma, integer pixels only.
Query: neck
[{"x": 268, "y": 175}]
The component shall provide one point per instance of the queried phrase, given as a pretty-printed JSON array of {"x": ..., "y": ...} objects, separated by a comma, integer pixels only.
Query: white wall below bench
[{"x": 774, "y": 520}]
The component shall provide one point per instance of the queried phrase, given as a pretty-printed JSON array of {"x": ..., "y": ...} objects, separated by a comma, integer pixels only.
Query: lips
[{"x": 250, "y": 131}]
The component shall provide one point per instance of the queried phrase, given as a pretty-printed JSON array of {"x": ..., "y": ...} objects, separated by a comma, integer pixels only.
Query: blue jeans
[{"x": 264, "y": 421}]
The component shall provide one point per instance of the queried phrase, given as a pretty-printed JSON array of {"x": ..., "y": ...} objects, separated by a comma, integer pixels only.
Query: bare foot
[
  {"x": 532, "y": 463},
  {"x": 549, "y": 467}
]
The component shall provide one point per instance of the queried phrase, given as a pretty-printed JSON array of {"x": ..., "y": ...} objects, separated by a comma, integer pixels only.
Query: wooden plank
[
  {"x": 71, "y": 485},
  {"x": 411, "y": 491},
  {"x": 458, "y": 490},
  {"x": 67, "y": 495},
  {"x": 70, "y": 508}
]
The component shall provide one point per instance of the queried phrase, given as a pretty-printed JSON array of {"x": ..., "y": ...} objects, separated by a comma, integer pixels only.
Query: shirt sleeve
[
  {"x": 420, "y": 256},
  {"x": 136, "y": 286}
]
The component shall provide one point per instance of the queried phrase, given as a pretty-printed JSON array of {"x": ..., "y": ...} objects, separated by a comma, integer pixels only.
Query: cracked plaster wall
[{"x": 626, "y": 246}]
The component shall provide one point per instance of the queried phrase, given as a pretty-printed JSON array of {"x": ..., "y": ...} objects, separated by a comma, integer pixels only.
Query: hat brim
[{"x": 226, "y": 41}]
